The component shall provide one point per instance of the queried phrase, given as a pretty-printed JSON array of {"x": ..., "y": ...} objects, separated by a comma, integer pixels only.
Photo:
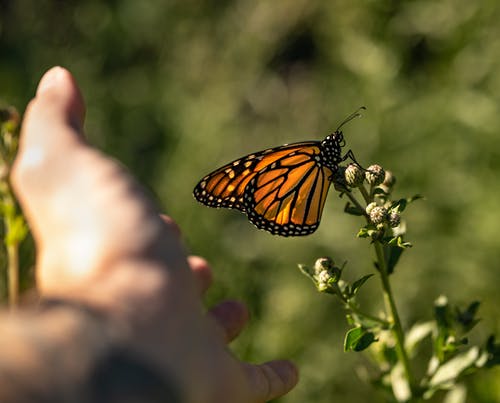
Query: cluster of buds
[
  {"x": 326, "y": 273},
  {"x": 382, "y": 214},
  {"x": 374, "y": 175}
]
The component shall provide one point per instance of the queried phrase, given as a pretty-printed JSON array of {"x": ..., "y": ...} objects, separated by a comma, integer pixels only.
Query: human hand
[{"x": 102, "y": 243}]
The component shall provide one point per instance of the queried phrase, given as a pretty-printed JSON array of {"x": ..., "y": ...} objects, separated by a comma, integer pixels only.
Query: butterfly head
[
  {"x": 331, "y": 146},
  {"x": 331, "y": 149}
]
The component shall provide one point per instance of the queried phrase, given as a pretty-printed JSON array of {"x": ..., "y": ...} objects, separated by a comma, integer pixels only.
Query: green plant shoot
[
  {"x": 392, "y": 348},
  {"x": 14, "y": 229}
]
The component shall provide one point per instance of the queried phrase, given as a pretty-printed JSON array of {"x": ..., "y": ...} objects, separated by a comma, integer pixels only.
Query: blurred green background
[{"x": 176, "y": 88}]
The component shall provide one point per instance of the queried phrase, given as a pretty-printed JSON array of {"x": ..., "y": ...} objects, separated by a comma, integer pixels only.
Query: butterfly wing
[
  {"x": 225, "y": 187},
  {"x": 287, "y": 196}
]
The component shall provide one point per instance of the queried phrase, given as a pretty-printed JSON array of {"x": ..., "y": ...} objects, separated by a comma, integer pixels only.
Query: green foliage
[
  {"x": 451, "y": 358},
  {"x": 175, "y": 88},
  {"x": 358, "y": 339},
  {"x": 357, "y": 285},
  {"x": 14, "y": 228}
]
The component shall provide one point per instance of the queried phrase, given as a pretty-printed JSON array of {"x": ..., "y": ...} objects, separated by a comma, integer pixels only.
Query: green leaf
[
  {"x": 403, "y": 245},
  {"x": 458, "y": 394},
  {"x": 365, "y": 341},
  {"x": 358, "y": 283},
  {"x": 447, "y": 374},
  {"x": 393, "y": 255},
  {"x": 467, "y": 318},
  {"x": 399, "y": 382},
  {"x": 363, "y": 233},
  {"x": 401, "y": 204},
  {"x": 366, "y": 231},
  {"x": 379, "y": 191},
  {"x": 444, "y": 344},
  {"x": 493, "y": 350},
  {"x": 398, "y": 241},
  {"x": 358, "y": 339},
  {"x": 306, "y": 270},
  {"x": 417, "y": 333},
  {"x": 414, "y": 198},
  {"x": 352, "y": 337}
]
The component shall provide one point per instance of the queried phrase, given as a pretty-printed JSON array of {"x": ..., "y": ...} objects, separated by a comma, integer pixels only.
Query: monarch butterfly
[{"x": 281, "y": 190}]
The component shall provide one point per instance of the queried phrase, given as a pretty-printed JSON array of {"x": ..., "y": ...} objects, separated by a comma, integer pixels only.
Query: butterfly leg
[{"x": 351, "y": 156}]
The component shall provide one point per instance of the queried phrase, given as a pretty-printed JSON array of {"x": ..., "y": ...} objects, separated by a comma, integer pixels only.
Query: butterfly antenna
[{"x": 352, "y": 116}]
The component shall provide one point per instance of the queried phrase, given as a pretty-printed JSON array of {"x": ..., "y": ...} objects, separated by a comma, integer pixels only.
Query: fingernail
[{"x": 50, "y": 79}]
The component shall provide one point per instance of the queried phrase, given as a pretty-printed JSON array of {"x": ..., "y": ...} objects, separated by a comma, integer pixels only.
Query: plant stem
[
  {"x": 365, "y": 193},
  {"x": 12, "y": 247},
  {"x": 13, "y": 274},
  {"x": 393, "y": 315},
  {"x": 13, "y": 231},
  {"x": 390, "y": 304}
]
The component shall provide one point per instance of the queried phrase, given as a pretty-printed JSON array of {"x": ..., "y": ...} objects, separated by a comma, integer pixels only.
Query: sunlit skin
[{"x": 101, "y": 242}]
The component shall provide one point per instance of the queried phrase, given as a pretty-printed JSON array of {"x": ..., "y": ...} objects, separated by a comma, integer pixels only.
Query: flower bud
[
  {"x": 326, "y": 271},
  {"x": 388, "y": 183},
  {"x": 324, "y": 276},
  {"x": 370, "y": 207},
  {"x": 378, "y": 214},
  {"x": 389, "y": 179},
  {"x": 323, "y": 263},
  {"x": 394, "y": 219},
  {"x": 354, "y": 175},
  {"x": 375, "y": 175}
]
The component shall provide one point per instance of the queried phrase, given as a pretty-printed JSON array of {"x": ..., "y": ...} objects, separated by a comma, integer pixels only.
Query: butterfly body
[{"x": 281, "y": 190}]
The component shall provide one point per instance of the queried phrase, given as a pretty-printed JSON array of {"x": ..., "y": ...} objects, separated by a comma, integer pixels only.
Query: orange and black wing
[
  {"x": 287, "y": 196},
  {"x": 282, "y": 190},
  {"x": 225, "y": 186}
]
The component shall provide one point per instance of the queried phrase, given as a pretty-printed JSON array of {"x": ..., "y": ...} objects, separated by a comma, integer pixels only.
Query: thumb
[
  {"x": 51, "y": 128},
  {"x": 59, "y": 87},
  {"x": 58, "y": 105}
]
